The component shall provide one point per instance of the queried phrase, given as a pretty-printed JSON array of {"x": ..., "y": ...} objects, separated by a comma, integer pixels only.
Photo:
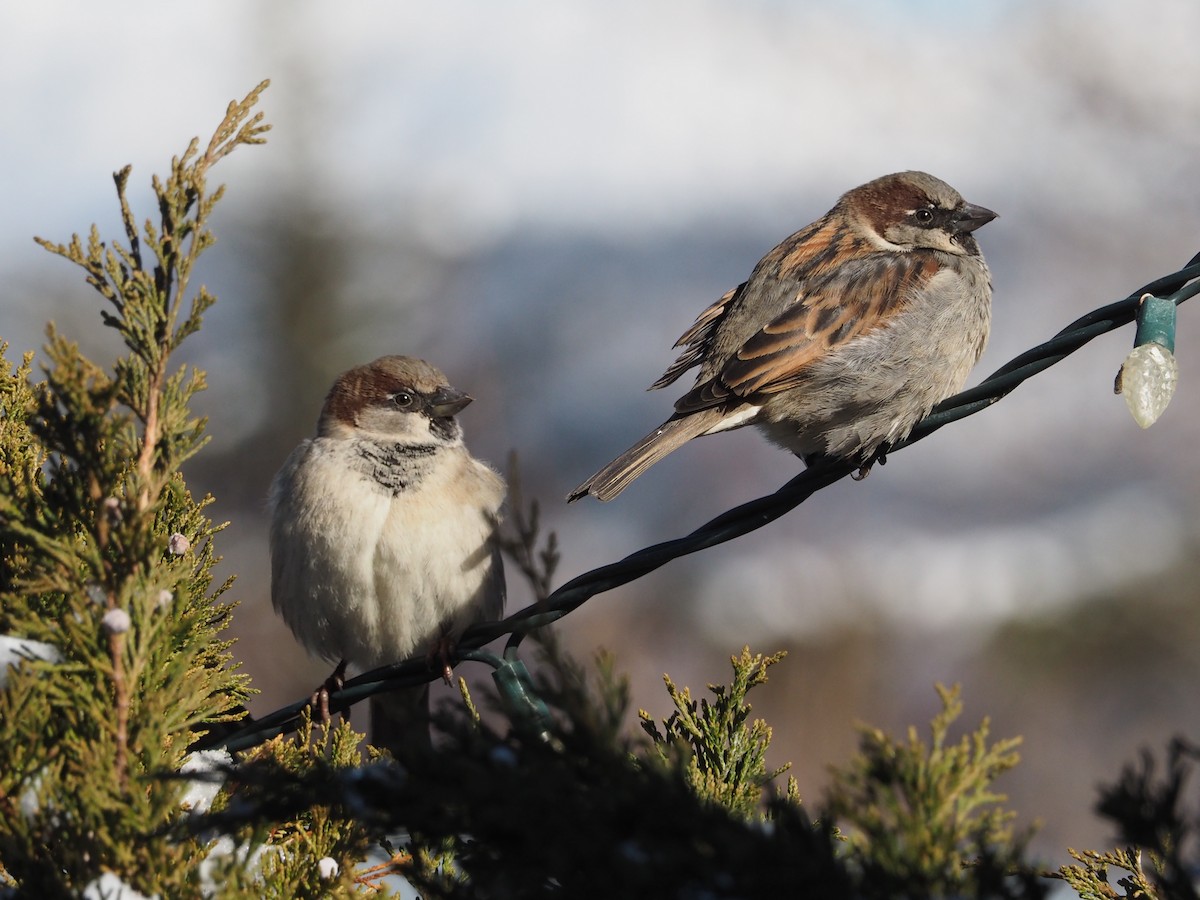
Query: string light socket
[{"x": 1148, "y": 377}]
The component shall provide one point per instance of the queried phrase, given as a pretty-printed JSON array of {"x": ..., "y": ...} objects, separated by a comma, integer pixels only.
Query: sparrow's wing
[
  {"x": 494, "y": 591},
  {"x": 698, "y": 339},
  {"x": 829, "y": 309},
  {"x": 810, "y": 250}
]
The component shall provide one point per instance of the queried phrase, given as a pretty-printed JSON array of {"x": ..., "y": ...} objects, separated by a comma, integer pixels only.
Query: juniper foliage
[{"x": 106, "y": 561}]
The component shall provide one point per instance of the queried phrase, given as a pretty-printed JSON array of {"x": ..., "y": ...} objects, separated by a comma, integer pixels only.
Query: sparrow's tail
[
  {"x": 400, "y": 721},
  {"x": 668, "y": 436}
]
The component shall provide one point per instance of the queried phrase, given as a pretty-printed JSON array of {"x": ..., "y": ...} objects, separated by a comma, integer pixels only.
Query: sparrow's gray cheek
[{"x": 382, "y": 420}]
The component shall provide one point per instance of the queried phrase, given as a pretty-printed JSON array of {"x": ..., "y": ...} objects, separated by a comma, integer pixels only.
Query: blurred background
[{"x": 540, "y": 198}]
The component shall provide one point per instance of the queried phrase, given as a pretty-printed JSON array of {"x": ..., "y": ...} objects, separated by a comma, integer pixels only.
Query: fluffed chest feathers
[
  {"x": 416, "y": 506},
  {"x": 395, "y": 544}
]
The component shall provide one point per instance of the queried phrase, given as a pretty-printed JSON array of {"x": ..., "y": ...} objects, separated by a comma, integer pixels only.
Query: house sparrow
[
  {"x": 843, "y": 338},
  {"x": 382, "y": 532}
]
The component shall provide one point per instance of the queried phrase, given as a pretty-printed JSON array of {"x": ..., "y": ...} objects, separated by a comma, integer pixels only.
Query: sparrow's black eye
[
  {"x": 923, "y": 216},
  {"x": 403, "y": 400}
]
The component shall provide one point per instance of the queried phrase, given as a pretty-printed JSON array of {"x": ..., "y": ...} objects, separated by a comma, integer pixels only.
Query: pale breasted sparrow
[
  {"x": 382, "y": 531},
  {"x": 844, "y": 337}
]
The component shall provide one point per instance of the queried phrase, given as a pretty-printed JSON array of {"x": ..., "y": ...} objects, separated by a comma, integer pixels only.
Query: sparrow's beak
[
  {"x": 970, "y": 217},
  {"x": 445, "y": 402}
]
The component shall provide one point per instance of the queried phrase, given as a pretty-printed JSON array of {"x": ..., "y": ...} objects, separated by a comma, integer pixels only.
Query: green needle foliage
[
  {"x": 1158, "y": 820},
  {"x": 923, "y": 820},
  {"x": 1090, "y": 879},
  {"x": 286, "y": 859},
  {"x": 575, "y": 809},
  {"x": 107, "y": 562},
  {"x": 724, "y": 758}
]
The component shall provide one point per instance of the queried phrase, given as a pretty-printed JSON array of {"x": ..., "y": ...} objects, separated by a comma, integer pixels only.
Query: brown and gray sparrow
[
  {"x": 382, "y": 532},
  {"x": 844, "y": 336}
]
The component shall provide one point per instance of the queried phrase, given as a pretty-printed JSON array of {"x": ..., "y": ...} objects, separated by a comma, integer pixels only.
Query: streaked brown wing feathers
[
  {"x": 853, "y": 299},
  {"x": 859, "y": 297},
  {"x": 697, "y": 338},
  {"x": 703, "y": 396}
]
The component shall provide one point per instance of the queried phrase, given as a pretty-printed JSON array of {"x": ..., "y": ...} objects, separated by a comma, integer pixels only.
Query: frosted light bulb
[{"x": 1147, "y": 379}]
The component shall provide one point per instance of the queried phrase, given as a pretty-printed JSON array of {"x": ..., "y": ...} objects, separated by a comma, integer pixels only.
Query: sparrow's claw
[
  {"x": 865, "y": 469},
  {"x": 320, "y": 697}
]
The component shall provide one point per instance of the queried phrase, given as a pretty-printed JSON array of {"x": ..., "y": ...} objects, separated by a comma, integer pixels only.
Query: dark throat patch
[{"x": 394, "y": 467}]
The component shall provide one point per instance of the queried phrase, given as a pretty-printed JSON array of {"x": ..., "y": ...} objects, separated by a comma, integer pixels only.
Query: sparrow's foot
[
  {"x": 865, "y": 469},
  {"x": 320, "y": 698},
  {"x": 440, "y": 654}
]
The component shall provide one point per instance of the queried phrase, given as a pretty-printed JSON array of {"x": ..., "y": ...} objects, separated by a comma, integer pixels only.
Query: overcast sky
[{"x": 612, "y": 115}]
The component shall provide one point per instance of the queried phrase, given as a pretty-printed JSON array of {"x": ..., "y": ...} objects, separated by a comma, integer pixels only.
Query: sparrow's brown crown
[
  {"x": 915, "y": 209},
  {"x": 400, "y": 383}
]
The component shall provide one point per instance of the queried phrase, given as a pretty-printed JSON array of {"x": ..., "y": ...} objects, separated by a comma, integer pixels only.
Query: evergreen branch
[
  {"x": 725, "y": 758},
  {"x": 915, "y": 812},
  {"x": 121, "y": 177},
  {"x": 106, "y": 557}
]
